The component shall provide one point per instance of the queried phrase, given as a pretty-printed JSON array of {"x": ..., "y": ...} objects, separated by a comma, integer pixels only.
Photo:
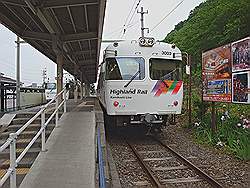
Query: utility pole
[
  {"x": 142, "y": 21},
  {"x": 213, "y": 119},
  {"x": 190, "y": 92},
  {"x": 18, "y": 42},
  {"x": 44, "y": 75},
  {"x": 18, "y": 73}
]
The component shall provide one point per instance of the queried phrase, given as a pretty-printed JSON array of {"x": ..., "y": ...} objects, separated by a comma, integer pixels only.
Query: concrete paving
[{"x": 70, "y": 159}]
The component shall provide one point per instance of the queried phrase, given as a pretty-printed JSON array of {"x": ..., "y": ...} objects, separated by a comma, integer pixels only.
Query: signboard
[
  {"x": 226, "y": 73},
  {"x": 216, "y": 74},
  {"x": 241, "y": 87},
  {"x": 241, "y": 71},
  {"x": 241, "y": 55}
]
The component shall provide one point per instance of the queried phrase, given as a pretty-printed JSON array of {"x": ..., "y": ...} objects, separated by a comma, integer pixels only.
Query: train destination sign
[{"x": 216, "y": 74}]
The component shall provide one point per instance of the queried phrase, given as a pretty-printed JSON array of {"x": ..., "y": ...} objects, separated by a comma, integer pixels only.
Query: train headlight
[
  {"x": 151, "y": 41},
  {"x": 142, "y": 41},
  {"x": 146, "y": 42}
]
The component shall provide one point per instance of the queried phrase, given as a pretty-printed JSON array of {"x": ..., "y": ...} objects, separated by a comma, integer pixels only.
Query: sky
[{"x": 117, "y": 14}]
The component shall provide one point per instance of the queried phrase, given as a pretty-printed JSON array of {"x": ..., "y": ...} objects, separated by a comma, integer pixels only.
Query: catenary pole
[
  {"x": 142, "y": 21},
  {"x": 18, "y": 73}
]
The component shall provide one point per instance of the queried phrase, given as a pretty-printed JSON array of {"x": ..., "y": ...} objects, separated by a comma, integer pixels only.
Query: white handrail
[
  {"x": 28, "y": 146},
  {"x": 5, "y": 145},
  {"x": 11, "y": 141},
  {"x": 5, "y": 177},
  {"x": 29, "y": 122},
  {"x": 52, "y": 100}
]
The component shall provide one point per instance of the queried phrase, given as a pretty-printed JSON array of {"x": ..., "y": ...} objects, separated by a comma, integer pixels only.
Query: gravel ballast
[
  {"x": 233, "y": 172},
  {"x": 227, "y": 169}
]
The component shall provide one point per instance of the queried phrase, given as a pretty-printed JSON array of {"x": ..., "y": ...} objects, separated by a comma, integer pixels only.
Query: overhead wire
[
  {"x": 137, "y": 5},
  {"x": 131, "y": 25},
  {"x": 127, "y": 24},
  {"x": 131, "y": 18},
  {"x": 114, "y": 31},
  {"x": 167, "y": 15},
  {"x": 118, "y": 30},
  {"x": 129, "y": 13}
]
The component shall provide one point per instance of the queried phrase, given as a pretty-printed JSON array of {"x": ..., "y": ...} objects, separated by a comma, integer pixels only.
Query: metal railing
[{"x": 11, "y": 141}]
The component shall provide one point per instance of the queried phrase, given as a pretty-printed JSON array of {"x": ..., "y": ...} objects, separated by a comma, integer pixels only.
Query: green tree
[{"x": 211, "y": 24}]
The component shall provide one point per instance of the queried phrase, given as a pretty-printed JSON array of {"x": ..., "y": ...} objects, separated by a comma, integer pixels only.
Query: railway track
[
  {"x": 162, "y": 166},
  {"x": 155, "y": 181}
]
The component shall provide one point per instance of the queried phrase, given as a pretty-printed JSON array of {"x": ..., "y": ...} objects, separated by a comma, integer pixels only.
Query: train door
[{"x": 101, "y": 84}]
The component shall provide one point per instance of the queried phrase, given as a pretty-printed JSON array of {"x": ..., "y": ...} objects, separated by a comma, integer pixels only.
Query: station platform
[{"x": 70, "y": 157}]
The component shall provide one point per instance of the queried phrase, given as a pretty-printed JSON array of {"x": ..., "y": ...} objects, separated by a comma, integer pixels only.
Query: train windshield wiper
[
  {"x": 167, "y": 77},
  {"x": 132, "y": 78}
]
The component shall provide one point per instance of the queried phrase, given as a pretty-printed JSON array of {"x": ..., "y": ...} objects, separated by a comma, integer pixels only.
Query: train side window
[{"x": 164, "y": 69}]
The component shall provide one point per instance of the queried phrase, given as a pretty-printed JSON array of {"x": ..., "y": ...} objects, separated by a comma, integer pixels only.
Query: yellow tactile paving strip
[
  {"x": 30, "y": 132},
  {"x": 24, "y": 140},
  {"x": 6, "y": 162},
  {"x": 19, "y": 150},
  {"x": 19, "y": 171},
  {"x": 22, "y": 171}
]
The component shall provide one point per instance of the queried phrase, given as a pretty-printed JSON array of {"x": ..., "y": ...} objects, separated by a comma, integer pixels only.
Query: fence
[{"x": 11, "y": 141}]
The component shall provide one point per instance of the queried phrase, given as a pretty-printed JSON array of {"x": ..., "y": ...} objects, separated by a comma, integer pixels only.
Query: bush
[{"x": 232, "y": 134}]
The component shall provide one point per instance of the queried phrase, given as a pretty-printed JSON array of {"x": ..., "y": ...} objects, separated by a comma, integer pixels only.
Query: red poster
[{"x": 216, "y": 74}]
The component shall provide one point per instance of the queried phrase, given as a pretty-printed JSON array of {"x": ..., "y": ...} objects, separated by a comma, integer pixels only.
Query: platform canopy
[{"x": 71, "y": 27}]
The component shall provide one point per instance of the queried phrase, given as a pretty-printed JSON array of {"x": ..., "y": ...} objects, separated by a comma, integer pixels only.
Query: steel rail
[
  {"x": 203, "y": 174},
  {"x": 146, "y": 168}
]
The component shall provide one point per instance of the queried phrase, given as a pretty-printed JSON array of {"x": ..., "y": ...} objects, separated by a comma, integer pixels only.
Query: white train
[{"x": 140, "y": 82}]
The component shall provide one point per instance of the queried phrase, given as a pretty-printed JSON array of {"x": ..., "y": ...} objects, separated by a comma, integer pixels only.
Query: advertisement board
[
  {"x": 241, "y": 55},
  {"x": 241, "y": 87},
  {"x": 216, "y": 74}
]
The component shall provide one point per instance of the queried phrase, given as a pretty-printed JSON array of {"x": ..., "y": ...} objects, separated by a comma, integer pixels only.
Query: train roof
[{"x": 134, "y": 48}]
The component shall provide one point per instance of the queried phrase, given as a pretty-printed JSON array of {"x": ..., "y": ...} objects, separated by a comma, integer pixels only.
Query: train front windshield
[
  {"x": 167, "y": 69},
  {"x": 125, "y": 68}
]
